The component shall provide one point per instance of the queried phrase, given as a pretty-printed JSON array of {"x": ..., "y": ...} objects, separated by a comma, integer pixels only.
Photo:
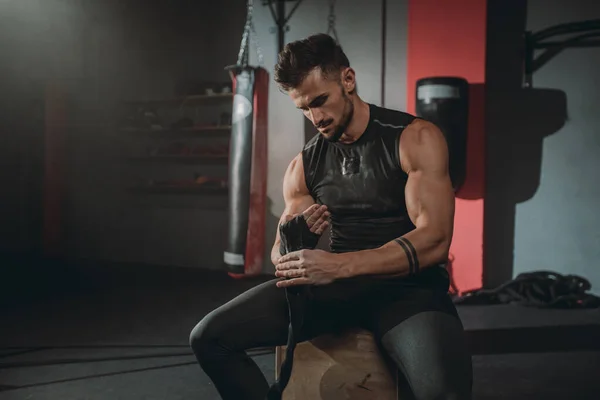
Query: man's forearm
[
  {"x": 275, "y": 252},
  {"x": 417, "y": 249}
]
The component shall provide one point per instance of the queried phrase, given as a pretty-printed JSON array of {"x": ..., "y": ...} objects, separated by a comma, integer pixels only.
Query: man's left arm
[{"x": 430, "y": 203}]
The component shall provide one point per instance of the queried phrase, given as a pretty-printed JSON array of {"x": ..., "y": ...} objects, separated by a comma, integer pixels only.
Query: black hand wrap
[{"x": 295, "y": 235}]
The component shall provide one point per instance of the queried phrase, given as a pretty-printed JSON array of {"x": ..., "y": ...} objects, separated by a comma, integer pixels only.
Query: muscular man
[{"x": 380, "y": 179}]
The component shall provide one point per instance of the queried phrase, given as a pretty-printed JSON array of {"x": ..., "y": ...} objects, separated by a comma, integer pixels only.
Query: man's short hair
[{"x": 301, "y": 57}]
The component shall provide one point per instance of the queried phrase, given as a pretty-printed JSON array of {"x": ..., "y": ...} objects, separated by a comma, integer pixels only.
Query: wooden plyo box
[{"x": 346, "y": 366}]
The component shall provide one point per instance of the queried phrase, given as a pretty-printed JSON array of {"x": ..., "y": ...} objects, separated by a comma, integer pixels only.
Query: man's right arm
[{"x": 296, "y": 197}]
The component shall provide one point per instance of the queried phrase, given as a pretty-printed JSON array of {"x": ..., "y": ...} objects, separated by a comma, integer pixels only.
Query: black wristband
[{"x": 296, "y": 235}]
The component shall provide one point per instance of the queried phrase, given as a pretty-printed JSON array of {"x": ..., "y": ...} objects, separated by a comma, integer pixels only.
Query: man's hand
[
  {"x": 316, "y": 216},
  {"x": 307, "y": 267}
]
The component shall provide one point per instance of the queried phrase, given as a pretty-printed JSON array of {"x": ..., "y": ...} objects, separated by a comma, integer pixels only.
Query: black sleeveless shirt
[{"x": 362, "y": 183}]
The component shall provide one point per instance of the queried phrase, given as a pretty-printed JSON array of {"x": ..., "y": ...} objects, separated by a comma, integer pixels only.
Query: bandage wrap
[{"x": 296, "y": 235}]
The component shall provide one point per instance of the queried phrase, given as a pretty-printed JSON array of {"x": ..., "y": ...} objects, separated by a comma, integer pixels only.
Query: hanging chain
[
  {"x": 244, "y": 45},
  {"x": 249, "y": 31},
  {"x": 259, "y": 53},
  {"x": 331, "y": 19}
]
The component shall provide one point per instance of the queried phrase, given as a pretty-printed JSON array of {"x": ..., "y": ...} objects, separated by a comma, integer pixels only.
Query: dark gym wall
[
  {"x": 42, "y": 44},
  {"x": 558, "y": 227},
  {"x": 100, "y": 53},
  {"x": 543, "y": 148},
  {"x": 137, "y": 52}
]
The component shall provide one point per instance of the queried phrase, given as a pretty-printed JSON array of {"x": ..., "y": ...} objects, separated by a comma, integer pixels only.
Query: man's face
[{"x": 325, "y": 103}]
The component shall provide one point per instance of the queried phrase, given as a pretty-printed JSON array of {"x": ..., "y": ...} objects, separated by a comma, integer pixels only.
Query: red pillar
[{"x": 448, "y": 38}]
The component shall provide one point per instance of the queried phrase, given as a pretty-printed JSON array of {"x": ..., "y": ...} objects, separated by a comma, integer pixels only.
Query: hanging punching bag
[
  {"x": 247, "y": 171},
  {"x": 444, "y": 101}
]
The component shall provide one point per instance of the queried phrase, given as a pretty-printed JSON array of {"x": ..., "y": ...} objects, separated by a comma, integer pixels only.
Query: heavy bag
[
  {"x": 247, "y": 171},
  {"x": 445, "y": 102}
]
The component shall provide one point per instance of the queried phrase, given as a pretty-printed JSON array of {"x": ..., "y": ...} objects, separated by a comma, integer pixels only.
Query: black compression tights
[{"x": 428, "y": 347}]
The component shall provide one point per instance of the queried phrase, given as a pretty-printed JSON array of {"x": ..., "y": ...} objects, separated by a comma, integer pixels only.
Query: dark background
[{"x": 67, "y": 66}]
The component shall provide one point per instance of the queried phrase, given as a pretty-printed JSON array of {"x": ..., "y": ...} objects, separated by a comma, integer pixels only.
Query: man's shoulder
[
  {"x": 391, "y": 118},
  {"x": 423, "y": 144}
]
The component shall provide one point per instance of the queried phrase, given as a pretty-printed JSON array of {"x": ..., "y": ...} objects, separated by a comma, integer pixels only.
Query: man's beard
[{"x": 341, "y": 128}]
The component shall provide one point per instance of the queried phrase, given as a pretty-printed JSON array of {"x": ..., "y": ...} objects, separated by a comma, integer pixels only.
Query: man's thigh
[
  {"x": 424, "y": 337},
  {"x": 259, "y": 317},
  {"x": 255, "y": 318}
]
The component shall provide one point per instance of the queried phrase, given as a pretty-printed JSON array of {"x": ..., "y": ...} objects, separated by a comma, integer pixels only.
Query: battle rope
[{"x": 537, "y": 289}]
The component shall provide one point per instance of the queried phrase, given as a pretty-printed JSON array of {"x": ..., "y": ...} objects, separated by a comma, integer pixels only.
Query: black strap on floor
[
  {"x": 536, "y": 289},
  {"x": 295, "y": 235}
]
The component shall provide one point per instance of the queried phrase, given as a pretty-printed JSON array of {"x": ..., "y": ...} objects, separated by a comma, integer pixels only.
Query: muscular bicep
[
  {"x": 295, "y": 196},
  {"x": 429, "y": 193},
  {"x": 430, "y": 201},
  {"x": 295, "y": 193}
]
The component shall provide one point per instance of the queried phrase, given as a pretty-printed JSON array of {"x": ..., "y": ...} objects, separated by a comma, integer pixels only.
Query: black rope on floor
[{"x": 542, "y": 289}]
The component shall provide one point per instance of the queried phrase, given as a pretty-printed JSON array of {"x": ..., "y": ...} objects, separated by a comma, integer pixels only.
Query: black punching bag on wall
[{"x": 445, "y": 102}]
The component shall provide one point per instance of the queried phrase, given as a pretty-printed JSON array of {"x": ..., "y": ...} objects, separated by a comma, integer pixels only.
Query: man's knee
[
  {"x": 197, "y": 336},
  {"x": 430, "y": 350},
  {"x": 204, "y": 335}
]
